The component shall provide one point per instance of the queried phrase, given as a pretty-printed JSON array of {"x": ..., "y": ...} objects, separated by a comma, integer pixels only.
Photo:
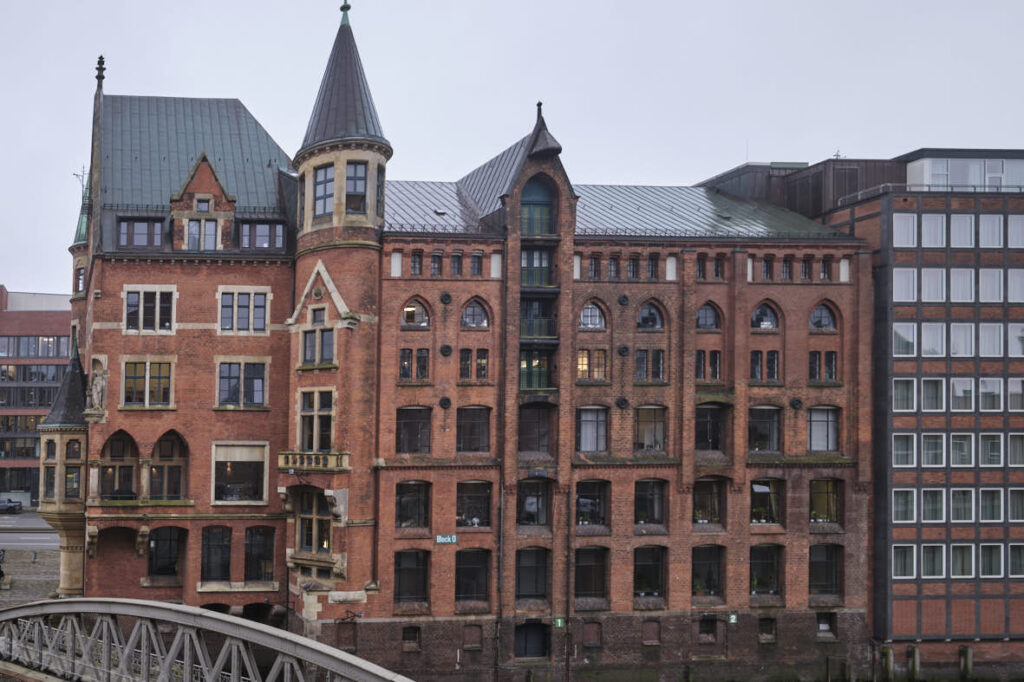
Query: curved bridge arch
[{"x": 133, "y": 640}]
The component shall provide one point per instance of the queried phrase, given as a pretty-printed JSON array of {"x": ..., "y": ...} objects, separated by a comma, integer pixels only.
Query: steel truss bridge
[{"x": 132, "y": 640}]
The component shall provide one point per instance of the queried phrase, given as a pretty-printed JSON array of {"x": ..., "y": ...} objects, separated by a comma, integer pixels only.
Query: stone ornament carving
[{"x": 97, "y": 397}]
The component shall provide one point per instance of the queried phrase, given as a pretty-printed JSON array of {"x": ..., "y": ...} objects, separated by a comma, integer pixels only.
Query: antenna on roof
[
  {"x": 99, "y": 71},
  {"x": 837, "y": 155},
  {"x": 344, "y": 13},
  {"x": 81, "y": 177}
]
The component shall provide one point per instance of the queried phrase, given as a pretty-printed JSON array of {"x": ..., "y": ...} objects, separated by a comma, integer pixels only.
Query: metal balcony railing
[{"x": 537, "y": 327}]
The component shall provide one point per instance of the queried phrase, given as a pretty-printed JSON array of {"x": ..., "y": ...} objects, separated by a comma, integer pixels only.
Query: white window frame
[
  {"x": 903, "y": 328},
  {"x": 961, "y": 276},
  {"x": 995, "y": 220},
  {"x": 1011, "y": 349},
  {"x": 940, "y": 274},
  {"x": 970, "y": 439},
  {"x": 1009, "y": 560},
  {"x": 987, "y": 277},
  {"x": 1011, "y": 493},
  {"x": 966, "y": 229},
  {"x": 954, "y": 381},
  {"x": 996, "y": 328},
  {"x": 941, "y": 493},
  {"x": 265, "y": 458},
  {"x": 234, "y": 291},
  {"x": 911, "y": 494},
  {"x": 971, "y": 506},
  {"x": 990, "y": 380},
  {"x": 913, "y": 399},
  {"x": 913, "y": 562},
  {"x": 913, "y": 450},
  {"x": 1002, "y": 504},
  {"x": 941, "y": 562},
  {"x": 942, "y": 441},
  {"x": 942, "y": 394},
  {"x": 904, "y": 230},
  {"x": 973, "y": 562},
  {"x": 1015, "y": 231},
  {"x": 1015, "y": 285},
  {"x": 1007, "y": 449},
  {"x": 909, "y": 277},
  {"x": 981, "y": 560},
  {"x": 929, "y": 223},
  {"x": 953, "y": 326},
  {"x": 932, "y": 328},
  {"x": 1002, "y": 451}
]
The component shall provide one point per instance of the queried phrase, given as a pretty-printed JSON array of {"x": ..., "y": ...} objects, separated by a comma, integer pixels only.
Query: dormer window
[
  {"x": 202, "y": 235},
  {"x": 355, "y": 187},
  {"x": 261, "y": 236},
  {"x": 140, "y": 233},
  {"x": 323, "y": 190},
  {"x": 202, "y": 205}
]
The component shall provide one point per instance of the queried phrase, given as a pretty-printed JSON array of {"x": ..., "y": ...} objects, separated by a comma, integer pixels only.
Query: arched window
[
  {"x": 591, "y": 317},
  {"x": 167, "y": 468},
  {"x": 117, "y": 471},
  {"x": 474, "y": 315},
  {"x": 535, "y": 210},
  {"x": 707, "y": 317},
  {"x": 415, "y": 316},
  {"x": 764, "y": 318},
  {"x": 823, "y": 318},
  {"x": 649, "y": 317}
]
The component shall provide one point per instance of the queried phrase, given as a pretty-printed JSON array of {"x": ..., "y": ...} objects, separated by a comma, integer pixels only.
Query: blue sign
[{"x": 450, "y": 539}]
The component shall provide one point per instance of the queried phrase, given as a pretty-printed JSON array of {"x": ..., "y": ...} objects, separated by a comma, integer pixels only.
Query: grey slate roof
[
  {"x": 414, "y": 206},
  {"x": 149, "y": 145},
  {"x": 69, "y": 405},
  {"x": 486, "y": 184},
  {"x": 686, "y": 213},
  {"x": 344, "y": 108}
]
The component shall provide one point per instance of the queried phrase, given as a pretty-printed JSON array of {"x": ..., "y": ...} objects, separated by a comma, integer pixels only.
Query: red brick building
[
  {"x": 498, "y": 427},
  {"x": 34, "y": 347}
]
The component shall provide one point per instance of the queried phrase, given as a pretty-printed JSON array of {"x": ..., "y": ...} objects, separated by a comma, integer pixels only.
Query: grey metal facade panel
[
  {"x": 344, "y": 107},
  {"x": 686, "y": 212},
  {"x": 150, "y": 145}
]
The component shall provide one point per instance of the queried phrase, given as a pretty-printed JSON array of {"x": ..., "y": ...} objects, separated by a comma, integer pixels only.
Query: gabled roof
[
  {"x": 69, "y": 405},
  {"x": 344, "y": 108},
  {"x": 149, "y": 146}
]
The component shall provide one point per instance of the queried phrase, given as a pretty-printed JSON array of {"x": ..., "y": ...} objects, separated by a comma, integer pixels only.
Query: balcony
[
  {"x": 537, "y": 328},
  {"x": 536, "y": 276},
  {"x": 291, "y": 462}
]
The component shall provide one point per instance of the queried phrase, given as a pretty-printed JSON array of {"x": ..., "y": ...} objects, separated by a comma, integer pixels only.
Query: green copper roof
[{"x": 82, "y": 231}]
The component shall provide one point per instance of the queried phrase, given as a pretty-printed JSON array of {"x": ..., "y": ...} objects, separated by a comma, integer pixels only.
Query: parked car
[{"x": 10, "y": 506}]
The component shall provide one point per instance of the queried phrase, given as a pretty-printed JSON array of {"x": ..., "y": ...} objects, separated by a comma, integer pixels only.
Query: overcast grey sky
[{"x": 638, "y": 92}]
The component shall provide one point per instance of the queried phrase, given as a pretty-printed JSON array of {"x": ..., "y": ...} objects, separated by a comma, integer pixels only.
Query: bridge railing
[{"x": 132, "y": 640}]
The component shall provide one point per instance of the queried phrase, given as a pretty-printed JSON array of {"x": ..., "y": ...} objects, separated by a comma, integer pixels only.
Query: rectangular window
[
  {"x": 405, "y": 363},
  {"x": 613, "y": 268},
  {"x": 140, "y": 233},
  {"x": 904, "y": 230},
  {"x": 1017, "y": 561},
  {"x": 323, "y": 190},
  {"x": 633, "y": 268},
  {"x": 933, "y": 505},
  {"x": 649, "y": 502},
  {"x": 718, "y": 266},
  {"x": 991, "y": 561},
  {"x": 990, "y": 231},
  {"x": 416, "y": 263},
  {"x": 990, "y": 340},
  {"x": 904, "y": 508},
  {"x": 933, "y": 395},
  {"x": 591, "y": 429},
  {"x": 903, "y": 561},
  {"x": 1015, "y": 394},
  {"x": 412, "y": 576},
  {"x": 961, "y": 285},
  {"x": 961, "y": 505},
  {"x": 1015, "y": 449},
  {"x": 933, "y": 339},
  {"x": 961, "y": 394},
  {"x": 990, "y": 285},
  {"x": 990, "y": 507},
  {"x": 455, "y": 265},
  {"x": 243, "y": 311},
  {"x": 473, "y": 504},
  {"x": 533, "y": 502},
  {"x": 961, "y": 449},
  {"x": 641, "y": 365},
  {"x": 904, "y": 397},
  {"x": 156, "y": 308},
  {"x": 476, "y": 264},
  {"x": 465, "y": 363},
  {"x": 990, "y": 449},
  {"x": 532, "y": 574},
  {"x": 239, "y": 473},
  {"x": 961, "y": 340},
  {"x": 823, "y": 429},
  {"x": 472, "y": 581},
  {"x": 700, "y": 365},
  {"x": 413, "y": 430},
  {"x": 472, "y": 429},
  {"x": 805, "y": 268},
  {"x": 933, "y": 285},
  {"x": 787, "y": 269},
  {"x": 650, "y": 429},
  {"x": 904, "y": 339},
  {"x": 933, "y": 449},
  {"x": 422, "y": 364},
  {"x": 259, "y": 554},
  {"x": 594, "y": 268},
  {"x": 1015, "y": 231},
  {"x": 147, "y": 384},
  {"x": 702, "y": 266},
  {"x": 904, "y": 285},
  {"x": 436, "y": 264},
  {"x": 961, "y": 231},
  {"x": 1016, "y": 507},
  {"x": 933, "y": 561},
  {"x": 652, "y": 266},
  {"x": 766, "y": 268},
  {"x": 1015, "y": 340},
  {"x": 933, "y": 230},
  {"x": 316, "y": 421},
  {"x": 990, "y": 394},
  {"x": 534, "y": 429},
  {"x": 961, "y": 561},
  {"x": 826, "y": 501},
  {"x": 481, "y": 363},
  {"x": 903, "y": 454},
  {"x": 657, "y": 365}
]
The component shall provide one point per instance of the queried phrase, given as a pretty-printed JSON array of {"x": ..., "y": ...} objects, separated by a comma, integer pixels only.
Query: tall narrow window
[
  {"x": 355, "y": 187},
  {"x": 314, "y": 516},
  {"x": 323, "y": 190},
  {"x": 259, "y": 553},
  {"x": 412, "y": 504},
  {"x": 216, "y": 553}
]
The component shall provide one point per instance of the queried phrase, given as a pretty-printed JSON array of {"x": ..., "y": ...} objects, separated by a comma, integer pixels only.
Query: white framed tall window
[
  {"x": 990, "y": 231},
  {"x": 1015, "y": 231},
  {"x": 1017, "y": 561},
  {"x": 1015, "y": 449},
  {"x": 990, "y": 394},
  {"x": 933, "y": 505},
  {"x": 904, "y": 339},
  {"x": 933, "y": 449},
  {"x": 904, "y": 230},
  {"x": 961, "y": 561},
  {"x": 904, "y": 395},
  {"x": 933, "y": 230},
  {"x": 1015, "y": 340},
  {"x": 961, "y": 449},
  {"x": 990, "y": 340},
  {"x": 1015, "y": 285},
  {"x": 904, "y": 285},
  {"x": 1015, "y": 509},
  {"x": 961, "y": 394},
  {"x": 933, "y": 339},
  {"x": 990, "y": 505},
  {"x": 961, "y": 285},
  {"x": 990, "y": 449},
  {"x": 961, "y": 505},
  {"x": 933, "y": 561},
  {"x": 933, "y": 395},
  {"x": 961, "y": 339},
  {"x": 1015, "y": 394},
  {"x": 903, "y": 562},
  {"x": 933, "y": 285},
  {"x": 903, "y": 450},
  {"x": 990, "y": 285},
  {"x": 991, "y": 564},
  {"x": 961, "y": 231},
  {"x": 904, "y": 507}
]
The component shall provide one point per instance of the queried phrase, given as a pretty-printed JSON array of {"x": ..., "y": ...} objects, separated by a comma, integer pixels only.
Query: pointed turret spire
[
  {"x": 100, "y": 69},
  {"x": 82, "y": 231},
  {"x": 543, "y": 143},
  {"x": 344, "y": 108},
  {"x": 69, "y": 405}
]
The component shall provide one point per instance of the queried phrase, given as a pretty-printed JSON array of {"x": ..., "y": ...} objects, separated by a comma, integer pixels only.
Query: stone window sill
[{"x": 650, "y": 529}]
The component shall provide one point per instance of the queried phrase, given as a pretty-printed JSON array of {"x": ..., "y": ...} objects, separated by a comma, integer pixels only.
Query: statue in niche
[{"x": 97, "y": 391}]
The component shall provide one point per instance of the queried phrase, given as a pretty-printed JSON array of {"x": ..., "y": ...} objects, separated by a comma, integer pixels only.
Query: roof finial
[
  {"x": 539, "y": 105},
  {"x": 344, "y": 13},
  {"x": 99, "y": 71}
]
